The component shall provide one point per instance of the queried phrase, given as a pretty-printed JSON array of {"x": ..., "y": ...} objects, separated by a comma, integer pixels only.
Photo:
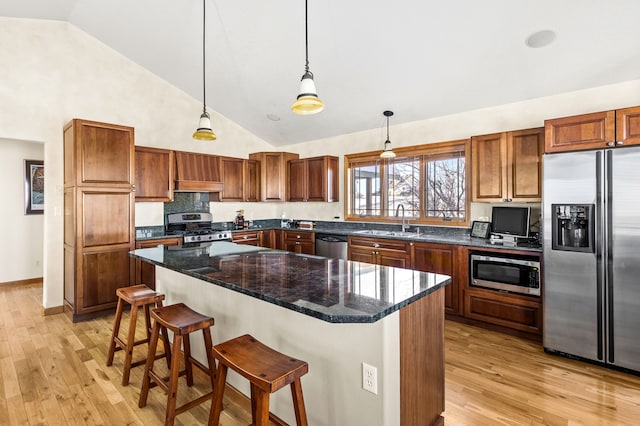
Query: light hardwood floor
[{"x": 53, "y": 372}]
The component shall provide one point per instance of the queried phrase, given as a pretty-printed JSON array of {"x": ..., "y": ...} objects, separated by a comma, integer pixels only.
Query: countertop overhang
[{"x": 332, "y": 290}]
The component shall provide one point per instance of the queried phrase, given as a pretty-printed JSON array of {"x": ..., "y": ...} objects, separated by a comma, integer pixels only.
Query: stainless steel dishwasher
[{"x": 331, "y": 246}]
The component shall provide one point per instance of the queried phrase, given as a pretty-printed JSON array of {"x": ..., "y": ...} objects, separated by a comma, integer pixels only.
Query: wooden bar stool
[
  {"x": 182, "y": 321},
  {"x": 266, "y": 369},
  {"x": 137, "y": 296}
]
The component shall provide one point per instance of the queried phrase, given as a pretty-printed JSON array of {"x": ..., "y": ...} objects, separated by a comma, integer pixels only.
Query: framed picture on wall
[{"x": 33, "y": 187}]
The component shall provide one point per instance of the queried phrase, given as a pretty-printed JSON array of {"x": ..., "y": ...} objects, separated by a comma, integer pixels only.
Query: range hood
[{"x": 197, "y": 172}]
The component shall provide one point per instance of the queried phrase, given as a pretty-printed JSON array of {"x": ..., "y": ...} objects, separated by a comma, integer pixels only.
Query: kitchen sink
[
  {"x": 374, "y": 232},
  {"x": 387, "y": 233}
]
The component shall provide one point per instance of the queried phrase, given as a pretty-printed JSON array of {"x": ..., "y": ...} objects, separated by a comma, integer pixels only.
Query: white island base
[{"x": 405, "y": 346}]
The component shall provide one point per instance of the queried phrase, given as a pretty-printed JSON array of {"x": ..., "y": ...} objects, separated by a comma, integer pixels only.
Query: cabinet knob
[
  {"x": 611, "y": 143},
  {"x": 246, "y": 237},
  {"x": 297, "y": 236},
  {"x": 376, "y": 245},
  {"x": 297, "y": 242},
  {"x": 620, "y": 143}
]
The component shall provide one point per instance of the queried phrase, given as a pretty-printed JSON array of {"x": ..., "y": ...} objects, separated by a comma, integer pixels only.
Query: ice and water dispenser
[{"x": 572, "y": 227}]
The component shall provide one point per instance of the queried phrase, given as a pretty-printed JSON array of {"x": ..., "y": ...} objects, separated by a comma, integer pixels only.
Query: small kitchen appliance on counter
[{"x": 195, "y": 227}]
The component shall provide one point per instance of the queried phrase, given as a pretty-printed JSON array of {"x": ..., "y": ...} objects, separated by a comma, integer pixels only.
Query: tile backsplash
[{"x": 187, "y": 202}]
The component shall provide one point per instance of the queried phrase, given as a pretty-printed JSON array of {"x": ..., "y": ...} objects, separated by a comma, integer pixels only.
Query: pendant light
[
  {"x": 387, "y": 152},
  {"x": 204, "y": 132},
  {"x": 307, "y": 102}
]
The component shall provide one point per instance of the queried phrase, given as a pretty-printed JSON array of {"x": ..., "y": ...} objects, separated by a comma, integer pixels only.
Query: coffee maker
[{"x": 572, "y": 227}]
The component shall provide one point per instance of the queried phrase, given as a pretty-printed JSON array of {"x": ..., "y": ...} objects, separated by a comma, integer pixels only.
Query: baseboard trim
[
  {"x": 52, "y": 311},
  {"x": 22, "y": 282}
]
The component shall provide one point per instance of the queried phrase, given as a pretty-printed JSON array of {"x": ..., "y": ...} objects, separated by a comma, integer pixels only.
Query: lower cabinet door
[
  {"x": 392, "y": 258},
  {"x": 516, "y": 312},
  {"x": 102, "y": 273}
]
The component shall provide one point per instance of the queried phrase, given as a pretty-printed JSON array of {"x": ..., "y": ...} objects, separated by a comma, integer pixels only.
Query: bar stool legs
[
  {"x": 182, "y": 321},
  {"x": 138, "y": 296}
]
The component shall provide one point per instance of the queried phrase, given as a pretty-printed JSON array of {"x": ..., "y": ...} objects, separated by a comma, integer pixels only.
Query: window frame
[{"x": 425, "y": 151}]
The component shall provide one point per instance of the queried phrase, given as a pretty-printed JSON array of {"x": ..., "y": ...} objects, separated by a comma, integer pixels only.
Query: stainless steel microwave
[{"x": 505, "y": 273}]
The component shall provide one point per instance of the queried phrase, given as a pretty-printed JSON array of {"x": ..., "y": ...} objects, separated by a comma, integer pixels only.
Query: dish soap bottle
[{"x": 240, "y": 219}]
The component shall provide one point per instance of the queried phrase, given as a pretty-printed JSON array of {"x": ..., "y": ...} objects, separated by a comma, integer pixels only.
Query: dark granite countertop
[
  {"x": 332, "y": 290},
  {"x": 437, "y": 235}
]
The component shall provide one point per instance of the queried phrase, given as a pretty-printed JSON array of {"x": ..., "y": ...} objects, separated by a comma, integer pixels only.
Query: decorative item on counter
[
  {"x": 239, "y": 221},
  {"x": 305, "y": 224}
]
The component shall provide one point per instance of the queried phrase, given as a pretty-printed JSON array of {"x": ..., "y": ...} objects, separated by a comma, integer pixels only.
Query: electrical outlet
[{"x": 369, "y": 378}]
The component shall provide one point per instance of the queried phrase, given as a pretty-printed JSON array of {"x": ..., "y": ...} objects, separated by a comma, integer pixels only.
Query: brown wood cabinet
[
  {"x": 98, "y": 215},
  {"x": 154, "y": 174},
  {"x": 313, "y": 179},
  {"x": 507, "y": 166},
  {"x": 508, "y": 310},
  {"x": 606, "y": 129},
  {"x": 269, "y": 238},
  {"x": 240, "y": 179},
  {"x": 515, "y": 312},
  {"x": 145, "y": 271},
  {"x": 441, "y": 259},
  {"x": 380, "y": 251},
  {"x": 251, "y": 238},
  {"x": 299, "y": 241},
  {"x": 272, "y": 174},
  {"x": 197, "y": 172}
]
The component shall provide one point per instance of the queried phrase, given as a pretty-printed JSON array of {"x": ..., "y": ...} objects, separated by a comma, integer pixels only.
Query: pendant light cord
[
  {"x": 388, "y": 128},
  {"x": 204, "y": 80},
  {"x": 306, "y": 38}
]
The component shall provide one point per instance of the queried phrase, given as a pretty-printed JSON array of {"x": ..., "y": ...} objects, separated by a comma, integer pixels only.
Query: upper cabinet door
[
  {"x": 154, "y": 174},
  {"x": 233, "y": 179},
  {"x": 628, "y": 126},
  {"x": 322, "y": 179},
  {"x": 102, "y": 154},
  {"x": 524, "y": 150},
  {"x": 298, "y": 180},
  {"x": 580, "y": 132},
  {"x": 489, "y": 167},
  {"x": 251, "y": 180}
]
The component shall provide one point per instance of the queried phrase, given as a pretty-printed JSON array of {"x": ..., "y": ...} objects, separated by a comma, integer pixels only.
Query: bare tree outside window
[
  {"x": 403, "y": 187},
  {"x": 445, "y": 188}
]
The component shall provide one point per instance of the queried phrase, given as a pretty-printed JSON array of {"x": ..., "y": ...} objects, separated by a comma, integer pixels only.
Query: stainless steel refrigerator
[{"x": 591, "y": 226}]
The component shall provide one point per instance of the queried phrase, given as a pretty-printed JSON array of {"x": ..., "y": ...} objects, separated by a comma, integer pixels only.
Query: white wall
[
  {"x": 21, "y": 248},
  {"x": 53, "y": 72}
]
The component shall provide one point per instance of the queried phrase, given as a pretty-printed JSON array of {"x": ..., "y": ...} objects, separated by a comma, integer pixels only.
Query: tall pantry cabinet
[{"x": 98, "y": 215}]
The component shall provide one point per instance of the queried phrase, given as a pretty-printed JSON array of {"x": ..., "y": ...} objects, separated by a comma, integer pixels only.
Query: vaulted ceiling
[{"x": 419, "y": 58}]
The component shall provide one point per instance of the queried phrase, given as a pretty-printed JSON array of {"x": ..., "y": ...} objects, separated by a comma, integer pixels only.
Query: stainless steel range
[{"x": 195, "y": 227}]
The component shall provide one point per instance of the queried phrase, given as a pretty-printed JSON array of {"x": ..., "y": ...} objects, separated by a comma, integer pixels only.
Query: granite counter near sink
[{"x": 332, "y": 313}]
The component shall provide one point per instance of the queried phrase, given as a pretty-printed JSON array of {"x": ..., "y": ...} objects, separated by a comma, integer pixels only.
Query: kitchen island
[{"x": 334, "y": 314}]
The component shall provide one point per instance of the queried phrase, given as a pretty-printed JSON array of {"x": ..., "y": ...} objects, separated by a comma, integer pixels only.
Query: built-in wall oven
[{"x": 517, "y": 274}]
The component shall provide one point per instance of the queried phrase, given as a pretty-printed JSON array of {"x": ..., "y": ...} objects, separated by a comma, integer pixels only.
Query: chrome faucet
[{"x": 404, "y": 226}]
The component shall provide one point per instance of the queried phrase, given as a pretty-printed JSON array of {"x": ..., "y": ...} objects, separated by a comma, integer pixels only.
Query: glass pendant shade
[
  {"x": 204, "y": 132},
  {"x": 307, "y": 102},
  {"x": 387, "y": 152}
]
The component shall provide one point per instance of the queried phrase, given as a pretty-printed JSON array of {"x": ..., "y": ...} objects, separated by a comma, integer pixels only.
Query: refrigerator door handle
[
  {"x": 600, "y": 247},
  {"x": 609, "y": 259}
]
